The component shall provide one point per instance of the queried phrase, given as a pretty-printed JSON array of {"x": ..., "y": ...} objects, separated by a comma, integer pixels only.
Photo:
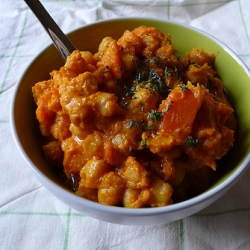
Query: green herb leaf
[
  {"x": 156, "y": 80},
  {"x": 191, "y": 142},
  {"x": 183, "y": 88},
  {"x": 216, "y": 97},
  {"x": 144, "y": 143},
  {"x": 155, "y": 116},
  {"x": 193, "y": 63},
  {"x": 132, "y": 123},
  {"x": 117, "y": 79},
  {"x": 150, "y": 126},
  {"x": 129, "y": 91},
  {"x": 178, "y": 57},
  {"x": 171, "y": 72},
  {"x": 144, "y": 127}
]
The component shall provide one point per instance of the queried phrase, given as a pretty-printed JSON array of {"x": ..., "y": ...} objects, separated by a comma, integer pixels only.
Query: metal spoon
[{"x": 60, "y": 40}]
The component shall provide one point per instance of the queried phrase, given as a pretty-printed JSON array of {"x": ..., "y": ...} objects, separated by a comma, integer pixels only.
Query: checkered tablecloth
[{"x": 30, "y": 217}]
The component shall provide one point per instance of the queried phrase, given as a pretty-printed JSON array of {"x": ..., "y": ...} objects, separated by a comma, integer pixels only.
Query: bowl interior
[{"x": 233, "y": 73}]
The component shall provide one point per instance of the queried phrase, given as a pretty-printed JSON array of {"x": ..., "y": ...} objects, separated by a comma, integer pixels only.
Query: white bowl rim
[{"x": 95, "y": 206}]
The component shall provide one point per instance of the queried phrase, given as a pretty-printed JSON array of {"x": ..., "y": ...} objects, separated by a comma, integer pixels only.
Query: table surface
[{"x": 32, "y": 218}]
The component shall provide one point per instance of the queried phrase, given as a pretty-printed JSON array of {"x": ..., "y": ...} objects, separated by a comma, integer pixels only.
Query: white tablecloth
[{"x": 30, "y": 217}]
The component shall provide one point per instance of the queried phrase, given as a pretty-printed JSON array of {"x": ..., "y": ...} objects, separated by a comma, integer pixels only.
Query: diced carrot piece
[{"x": 181, "y": 107}]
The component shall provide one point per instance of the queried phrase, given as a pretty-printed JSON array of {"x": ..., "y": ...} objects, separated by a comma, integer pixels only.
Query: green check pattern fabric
[{"x": 30, "y": 216}]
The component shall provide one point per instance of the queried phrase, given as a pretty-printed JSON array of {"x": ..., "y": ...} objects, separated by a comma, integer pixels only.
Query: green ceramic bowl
[{"x": 234, "y": 74}]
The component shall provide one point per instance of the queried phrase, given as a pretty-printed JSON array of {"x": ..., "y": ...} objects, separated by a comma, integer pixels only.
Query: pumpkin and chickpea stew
[{"x": 135, "y": 124}]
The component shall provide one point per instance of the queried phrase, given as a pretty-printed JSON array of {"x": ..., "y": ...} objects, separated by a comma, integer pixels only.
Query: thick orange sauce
[{"x": 138, "y": 125}]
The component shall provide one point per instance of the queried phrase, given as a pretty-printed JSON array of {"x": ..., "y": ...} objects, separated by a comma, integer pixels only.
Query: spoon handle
[{"x": 61, "y": 42}]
